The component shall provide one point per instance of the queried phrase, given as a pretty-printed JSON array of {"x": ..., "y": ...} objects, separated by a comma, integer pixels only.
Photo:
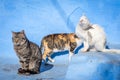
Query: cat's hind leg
[
  {"x": 92, "y": 50},
  {"x": 71, "y": 51},
  {"x": 70, "y": 55},
  {"x": 47, "y": 54},
  {"x": 44, "y": 56},
  {"x": 100, "y": 46},
  {"x": 34, "y": 65},
  {"x": 50, "y": 59}
]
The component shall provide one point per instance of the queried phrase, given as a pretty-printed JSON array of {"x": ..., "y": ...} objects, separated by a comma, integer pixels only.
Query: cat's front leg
[
  {"x": 24, "y": 67},
  {"x": 22, "y": 70},
  {"x": 86, "y": 47}
]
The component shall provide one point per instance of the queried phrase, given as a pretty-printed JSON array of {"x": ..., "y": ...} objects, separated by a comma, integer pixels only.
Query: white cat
[{"x": 93, "y": 36}]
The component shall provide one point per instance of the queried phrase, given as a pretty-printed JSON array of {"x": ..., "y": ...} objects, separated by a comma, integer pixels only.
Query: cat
[
  {"x": 29, "y": 54},
  {"x": 93, "y": 36},
  {"x": 59, "y": 42}
]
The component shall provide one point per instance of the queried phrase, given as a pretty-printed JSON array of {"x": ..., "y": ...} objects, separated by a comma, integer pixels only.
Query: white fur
[
  {"x": 65, "y": 49},
  {"x": 51, "y": 60},
  {"x": 70, "y": 55},
  {"x": 93, "y": 36}
]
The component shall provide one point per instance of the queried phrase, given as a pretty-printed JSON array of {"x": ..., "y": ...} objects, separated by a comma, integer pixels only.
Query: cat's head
[
  {"x": 84, "y": 22},
  {"x": 19, "y": 38}
]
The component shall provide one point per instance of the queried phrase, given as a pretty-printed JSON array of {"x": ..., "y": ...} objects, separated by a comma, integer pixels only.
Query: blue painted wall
[{"x": 41, "y": 17}]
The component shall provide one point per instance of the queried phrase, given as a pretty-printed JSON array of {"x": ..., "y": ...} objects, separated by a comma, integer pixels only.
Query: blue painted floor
[
  {"x": 51, "y": 71},
  {"x": 83, "y": 66}
]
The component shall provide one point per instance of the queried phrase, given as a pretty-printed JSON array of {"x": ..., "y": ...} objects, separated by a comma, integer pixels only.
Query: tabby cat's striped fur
[{"x": 29, "y": 54}]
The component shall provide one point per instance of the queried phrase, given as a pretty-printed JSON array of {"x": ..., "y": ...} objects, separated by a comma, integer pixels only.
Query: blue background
[{"x": 42, "y": 17}]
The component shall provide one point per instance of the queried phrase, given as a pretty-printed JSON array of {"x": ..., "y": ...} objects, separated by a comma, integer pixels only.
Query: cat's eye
[{"x": 23, "y": 38}]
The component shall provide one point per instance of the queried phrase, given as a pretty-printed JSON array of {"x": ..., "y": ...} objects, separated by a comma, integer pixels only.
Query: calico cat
[
  {"x": 58, "y": 42},
  {"x": 93, "y": 36},
  {"x": 29, "y": 54}
]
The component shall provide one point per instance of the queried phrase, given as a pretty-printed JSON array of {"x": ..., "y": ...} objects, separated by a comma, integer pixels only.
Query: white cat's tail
[{"x": 111, "y": 51}]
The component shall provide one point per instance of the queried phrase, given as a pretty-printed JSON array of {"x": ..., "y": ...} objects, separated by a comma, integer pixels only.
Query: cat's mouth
[{"x": 16, "y": 44}]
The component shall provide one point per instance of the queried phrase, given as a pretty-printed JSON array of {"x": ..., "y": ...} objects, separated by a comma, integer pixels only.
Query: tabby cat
[
  {"x": 59, "y": 42},
  {"x": 29, "y": 54}
]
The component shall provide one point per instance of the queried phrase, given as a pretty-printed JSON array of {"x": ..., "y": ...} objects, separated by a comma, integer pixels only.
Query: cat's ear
[
  {"x": 83, "y": 16},
  {"x": 13, "y": 33},
  {"x": 23, "y": 31}
]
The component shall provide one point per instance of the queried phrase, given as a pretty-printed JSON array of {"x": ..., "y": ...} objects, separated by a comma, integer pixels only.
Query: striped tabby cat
[
  {"x": 59, "y": 42},
  {"x": 29, "y": 54}
]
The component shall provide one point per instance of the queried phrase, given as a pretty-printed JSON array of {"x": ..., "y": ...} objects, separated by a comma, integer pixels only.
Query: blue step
[{"x": 94, "y": 66}]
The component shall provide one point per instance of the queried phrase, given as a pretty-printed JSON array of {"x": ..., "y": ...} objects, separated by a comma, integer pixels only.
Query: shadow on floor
[
  {"x": 55, "y": 54},
  {"x": 45, "y": 67},
  {"x": 59, "y": 54}
]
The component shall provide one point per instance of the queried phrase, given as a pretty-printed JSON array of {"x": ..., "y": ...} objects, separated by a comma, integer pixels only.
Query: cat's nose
[
  {"x": 17, "y": 44},
  {"x": 16, "y": 40},
  {"x": 81, "y": 21}
]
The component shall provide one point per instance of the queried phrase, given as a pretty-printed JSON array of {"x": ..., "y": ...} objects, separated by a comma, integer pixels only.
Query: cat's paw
[
  {"x": 83, "y": 50},
  {"x": 23, "y": 72},
  {"x": 27, "y": 73},
  {"x": 52, "y": 61},
  {"x": 34, "y": 72},
  {"x": 93, "y": 50}
]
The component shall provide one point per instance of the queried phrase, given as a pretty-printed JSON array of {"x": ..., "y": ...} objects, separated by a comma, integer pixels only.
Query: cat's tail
[
  {"x": 41, "y": 47},
  {"x": 111, "y": 51}
]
